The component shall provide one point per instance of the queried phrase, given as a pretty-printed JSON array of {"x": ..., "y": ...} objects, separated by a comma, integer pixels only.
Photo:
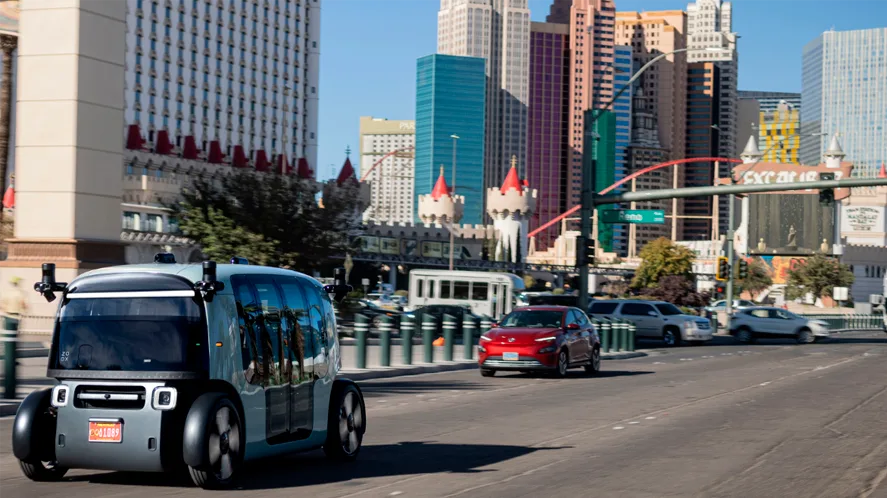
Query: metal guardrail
[{"x": 850, "y": 322}]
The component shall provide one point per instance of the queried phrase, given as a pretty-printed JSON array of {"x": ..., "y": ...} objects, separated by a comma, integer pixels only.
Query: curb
[
  {"x": 8, "y": 408},
  {"x": 29, "y": 353}
]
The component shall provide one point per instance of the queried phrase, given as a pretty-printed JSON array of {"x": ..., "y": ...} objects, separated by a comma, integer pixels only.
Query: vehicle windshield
[
  {"x": 533, "y": 319},
  {"x": 158, "y": 334},
  {"x": 668, "y": 309}
]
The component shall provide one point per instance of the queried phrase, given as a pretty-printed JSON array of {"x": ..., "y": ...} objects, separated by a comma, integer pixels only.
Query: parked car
[
  {"x": 375, "y": 312},
  {"x": 656, "y": 320},
  {"x": 438, "y": 311},
  {"x": 721, "y": 306},
  {"x": 540, "y": 338},
  {"x": 750, "y": 324}
]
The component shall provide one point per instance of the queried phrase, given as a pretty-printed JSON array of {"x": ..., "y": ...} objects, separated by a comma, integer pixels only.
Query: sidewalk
[{"x": 32, "y": 366}]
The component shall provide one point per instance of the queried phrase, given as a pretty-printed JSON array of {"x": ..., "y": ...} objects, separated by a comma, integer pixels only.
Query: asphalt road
[{"x": 773, "y": 419}]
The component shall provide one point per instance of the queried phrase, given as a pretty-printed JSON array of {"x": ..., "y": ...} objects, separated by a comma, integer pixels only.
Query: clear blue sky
[{"x": 369, "y": 50}]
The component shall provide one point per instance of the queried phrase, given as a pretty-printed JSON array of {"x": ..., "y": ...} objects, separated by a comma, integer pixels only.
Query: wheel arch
[
  {"x": 194, "y": 432},
  {"x": 28, "y": 435}
]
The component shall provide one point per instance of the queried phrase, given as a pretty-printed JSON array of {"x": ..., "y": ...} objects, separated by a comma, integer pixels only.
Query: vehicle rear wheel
[
  {"x": 805, "y": 336},
  {"x": 594, "y": 367},
  {"x": 42, "y": 471},
  {"x": 485, "y": 372},
  {"x": 745, "y": 336},
  {"x": 671, "y": 337},
  {"x": 347, "y": 424},
  {"x": 563, "y": 364},
  {"x": 224, "y": 448}
]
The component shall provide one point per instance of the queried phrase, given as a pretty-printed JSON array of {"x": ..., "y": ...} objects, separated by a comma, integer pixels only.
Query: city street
[{"x": 771, "y": 419}]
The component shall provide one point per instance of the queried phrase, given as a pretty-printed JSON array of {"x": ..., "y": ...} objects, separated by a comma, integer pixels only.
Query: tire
[
  {"x": 42, "y": 471},
  {"x": 224, "y": 446},
  {"x": 485, "y": 372},
  {"x": 744, "y": 336},
  {"x": 805, "y": 336},
  {"x": 377, "y": 321},
  {"x": 346, "y": 424},
  {"x": 594, "y": 368},
  {"x": 671, "y": 337},
  {"x": 563, "y": 364}
]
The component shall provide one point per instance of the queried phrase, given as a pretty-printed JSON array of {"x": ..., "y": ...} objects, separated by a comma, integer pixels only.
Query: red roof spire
[
  {"x": 347, "y": 173},
  {"x": 512, "y": 181},
  {"x": 440, "y": 188},
  {"x": 883, "y": 173},
  {"x": 9, "y": 196}
]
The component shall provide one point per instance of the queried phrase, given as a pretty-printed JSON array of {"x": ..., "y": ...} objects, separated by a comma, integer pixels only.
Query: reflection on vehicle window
[
  {"x": 668, "y": 309},
  {"x": 760, "y": 313},
  {"x": 534, "y": 319},
  {"x": 124, "y": 334}
]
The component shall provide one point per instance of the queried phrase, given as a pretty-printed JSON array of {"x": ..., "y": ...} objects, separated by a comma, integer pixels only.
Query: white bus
[{"x": 487, "y": 293}]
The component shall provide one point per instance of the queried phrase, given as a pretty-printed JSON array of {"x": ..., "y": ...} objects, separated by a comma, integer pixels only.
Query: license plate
[
  {"x": 510, "y": 356},
  {"x": 105, "y": 432}
]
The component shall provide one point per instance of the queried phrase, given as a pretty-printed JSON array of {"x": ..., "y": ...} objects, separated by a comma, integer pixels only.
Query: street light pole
[
  {"x": 452, "y": 223},
  {"x": 588, "y": 167}
]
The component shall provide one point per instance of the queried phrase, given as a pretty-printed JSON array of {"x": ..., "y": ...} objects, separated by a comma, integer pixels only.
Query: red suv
[{"x": 547, "y": 338}]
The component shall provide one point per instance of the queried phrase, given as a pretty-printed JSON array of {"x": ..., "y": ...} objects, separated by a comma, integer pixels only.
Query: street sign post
[{"x": 634, "y": 216}]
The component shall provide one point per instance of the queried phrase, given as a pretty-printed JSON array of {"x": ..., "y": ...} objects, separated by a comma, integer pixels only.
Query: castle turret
[
  {"x": 835, "y": 154},
  {"x": 347, "y": 188},
  {"x": 751, "y": 154},
  {"x": 441, "y": 206},
  {"x": 511, "y": 207}
]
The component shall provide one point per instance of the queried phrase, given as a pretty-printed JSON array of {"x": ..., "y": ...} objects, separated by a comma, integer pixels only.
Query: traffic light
[
  {"x": 826, "y": 195},
  {"x": 722, "y": 272},
  {"x": 743, "y": 269},
  {"x": 589, "y": 251},
  {"x": 719, "y": 291}
]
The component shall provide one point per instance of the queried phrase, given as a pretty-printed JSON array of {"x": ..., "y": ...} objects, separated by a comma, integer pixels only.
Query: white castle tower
[
  {"x": 511, "y": 207},
  {"x": 440, "y": 206},
  {"x": 835, "y": 154}
]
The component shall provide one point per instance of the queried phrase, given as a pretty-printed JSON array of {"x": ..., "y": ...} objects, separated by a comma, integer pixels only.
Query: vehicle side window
[
  {"x": 581, "y": 319},
  {"x": 315, "y": 315},
  {"x": 479, "y": 291},
  {"x": 603, "y": 308},
  {"x": 569, "y": 317},
  {"x": 445, "y": 289},
  {"x": 636, "y": 309},
  {"x": 248, "y": 312},
  {"x": 329, "y": 318},
  {"x": 419, "y": 285},
  {"x": 296, "y": 325},
  {"x": 760, "y": 313},
  {"x": 272, "y": 340},
  {"x": 460, "y": 290},
  {"x": 779, "y": 314}
]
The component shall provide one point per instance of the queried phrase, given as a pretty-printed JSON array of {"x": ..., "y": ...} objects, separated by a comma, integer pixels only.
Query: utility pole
[
  {"x": 587, "y": 210},
  {"x": 452, "y": 223}
]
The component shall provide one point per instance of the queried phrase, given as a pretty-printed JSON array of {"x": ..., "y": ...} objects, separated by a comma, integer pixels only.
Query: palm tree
[{"x": 7, "y": 45}]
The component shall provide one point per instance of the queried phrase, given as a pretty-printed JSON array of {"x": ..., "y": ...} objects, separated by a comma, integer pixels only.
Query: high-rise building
[
  {"x": 387, "y": 162},
  {"x": 591, "y": 25},
  {"x": 769, "y": 101},
  {"x": 497, "y": 31},
  {"x": 548, "y": 153},
  {"x": 450, "y": 97},
  {"x": 232, "y": 79},
  {"x": 779, "y": 134},
  {"x": 711, "y": 108},
  {"x": 844, "y": 90},
  {"x": 622, "y": 69}
]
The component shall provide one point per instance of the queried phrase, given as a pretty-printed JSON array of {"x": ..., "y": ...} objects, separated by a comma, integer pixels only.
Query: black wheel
[
  {"x": 594, "y": 367},
  {"x": 224, "y": 448},
  {"x": 671, "y": 337},
  {"x": 745, "y": 336},
  {"x": 377, "y": 321},
  {"x": 563, "y": 364},
  {"x": 347, "y": 424},
  {"x": 485, "y": 372},
  {"x": 805, "y": 336},
  {"x": 42, "y": 471}
]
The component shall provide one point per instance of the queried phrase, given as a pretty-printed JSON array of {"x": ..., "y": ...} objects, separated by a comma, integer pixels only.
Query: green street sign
[{"x": 635, "y": 216}]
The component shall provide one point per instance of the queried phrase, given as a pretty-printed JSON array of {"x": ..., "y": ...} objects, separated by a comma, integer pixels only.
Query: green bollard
[
  {"x": 9, "y": 359},
  {"x": 606, "y": 334},
  {"x": 429, "y": 327},
  {"x": 407, "y": 329},
  {"x": 385, "y": 326},
  {"x": 449, "y": 333},
  {"x": 632, "y": 335},
  {"x": 486, "y": 323},
  {"x": 714, "y": 323},
  {"x": 361, "y": 330},
  {"x": 623, "y": 336},
  {"x": 469, "y": 324}
]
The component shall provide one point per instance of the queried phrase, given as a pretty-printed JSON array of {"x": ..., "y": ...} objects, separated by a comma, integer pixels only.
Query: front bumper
[
  {"x": 694, "y": 334},
  {"x": 537, "y": 362}
]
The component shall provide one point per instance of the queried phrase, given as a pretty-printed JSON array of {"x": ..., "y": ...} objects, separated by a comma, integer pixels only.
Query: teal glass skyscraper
[{"x": 450, "y": 98}]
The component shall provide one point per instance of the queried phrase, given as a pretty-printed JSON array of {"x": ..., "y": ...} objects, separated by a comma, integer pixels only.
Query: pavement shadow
[
  {"x": 575, "y": 374},
  {"x": 409, "y": 387},
  {"x": 308, "y": 469}
]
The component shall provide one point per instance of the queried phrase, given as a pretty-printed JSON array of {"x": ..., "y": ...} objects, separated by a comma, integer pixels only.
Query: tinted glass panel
[
  {"x": 124, "y": 334},
  {"x": 295, "y": 319},
  {"x": 272, "y": 344},
  {"x": 636, "y": 309},
  {"x": 479, "y": 291},
  {"x": 533, "y": 319},
  {"x": 460, "y": 290},
  {"x": 668, "y": 309},
  {"x": 603, "y": 308},
  {"x": 249, "y": 313},
  {"x": 445, "y": 289}
]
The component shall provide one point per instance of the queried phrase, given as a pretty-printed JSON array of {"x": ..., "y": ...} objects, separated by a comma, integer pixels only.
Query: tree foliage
[
  {"x": 268, "y": 219},
  {"x": 758, "y": 278},
  {"x": 818, "y": 275},
  {"x": 661, "y": 258},
  {"x": 679, "y": 290}
]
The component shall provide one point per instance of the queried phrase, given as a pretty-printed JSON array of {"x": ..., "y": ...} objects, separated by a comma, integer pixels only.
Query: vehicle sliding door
[{"x": 300, "y": 354}]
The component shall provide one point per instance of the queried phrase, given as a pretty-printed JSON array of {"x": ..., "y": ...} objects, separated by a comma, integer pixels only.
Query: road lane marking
[
  {"x": 763, "y": 383},
  {"x": 618, "y": 428},
  {"x": 649, "y": 418},
  {"x": 507, "y": 479},
  {"x": 634, "y": 422}
]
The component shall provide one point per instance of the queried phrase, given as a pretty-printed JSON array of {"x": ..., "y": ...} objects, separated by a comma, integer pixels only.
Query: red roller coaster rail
[
  {"x": 631, "y": 177},
  {"x": 386, "y": 156}
]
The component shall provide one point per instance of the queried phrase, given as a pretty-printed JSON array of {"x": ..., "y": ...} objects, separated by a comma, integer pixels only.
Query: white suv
[{"x": 656, "y": 319}]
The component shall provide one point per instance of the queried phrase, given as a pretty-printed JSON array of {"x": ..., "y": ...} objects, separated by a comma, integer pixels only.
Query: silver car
[
  {"x": 751, "y": 324},
  {"x": 656, "y": 320}
]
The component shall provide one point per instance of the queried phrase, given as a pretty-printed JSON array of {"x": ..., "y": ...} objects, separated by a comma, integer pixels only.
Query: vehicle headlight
[
  {"x": 546, "y": 339},
  {"x": 547, "y": 349},
  {"x": 484, "y": 337},
  {"x": 689, "y": 325},
  {"x": 59, "y": 396},
  {"x": 482, "y": 349},
  {"x": 163, "y": 398}
]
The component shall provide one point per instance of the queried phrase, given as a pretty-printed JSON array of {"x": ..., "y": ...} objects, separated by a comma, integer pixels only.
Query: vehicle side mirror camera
[
  {"x": 573, "y": 326},
  {"x": 208, "y": 286},
  {"x": 47, "y": 286},
  {"x": 340, "y": 289}
]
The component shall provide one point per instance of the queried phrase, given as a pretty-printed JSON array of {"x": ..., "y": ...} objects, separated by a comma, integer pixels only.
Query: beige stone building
[{"x": 387, "y": 163}]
